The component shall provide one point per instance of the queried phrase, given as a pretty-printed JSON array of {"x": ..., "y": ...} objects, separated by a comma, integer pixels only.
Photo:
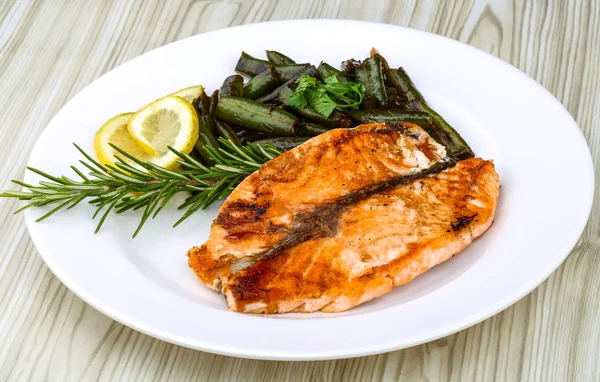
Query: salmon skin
[{"x": 342, "y": 218}]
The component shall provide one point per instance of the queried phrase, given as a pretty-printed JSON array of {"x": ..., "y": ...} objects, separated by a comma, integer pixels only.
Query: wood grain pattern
[{"x": 50, "y": 50}]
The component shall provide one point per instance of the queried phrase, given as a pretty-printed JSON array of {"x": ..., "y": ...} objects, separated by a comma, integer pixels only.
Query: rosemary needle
[{"x": 124, "y": 186}]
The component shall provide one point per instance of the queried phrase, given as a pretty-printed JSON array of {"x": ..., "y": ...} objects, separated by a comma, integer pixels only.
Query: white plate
[{"x": 544, "y": 165}]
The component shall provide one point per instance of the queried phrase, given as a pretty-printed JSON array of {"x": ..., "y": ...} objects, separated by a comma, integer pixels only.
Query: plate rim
[{"x": 493, "y": 308}]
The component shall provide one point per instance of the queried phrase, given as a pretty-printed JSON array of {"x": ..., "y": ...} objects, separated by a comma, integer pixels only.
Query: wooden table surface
[{"x": 50, "y": 50}]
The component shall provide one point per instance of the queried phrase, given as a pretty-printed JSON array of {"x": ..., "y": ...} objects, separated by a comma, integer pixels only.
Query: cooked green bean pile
[
  {"x": 284, "y": 103},
  {"x": 279, "y": 107}
]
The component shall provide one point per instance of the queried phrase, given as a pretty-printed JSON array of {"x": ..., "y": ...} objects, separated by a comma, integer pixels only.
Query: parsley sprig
[{"x": 325, "y": 97}]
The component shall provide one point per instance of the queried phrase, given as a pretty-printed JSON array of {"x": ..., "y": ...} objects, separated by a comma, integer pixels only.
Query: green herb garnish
[
  {"x": 325, "y": 97},
  {"x": 124, "y": 186}
]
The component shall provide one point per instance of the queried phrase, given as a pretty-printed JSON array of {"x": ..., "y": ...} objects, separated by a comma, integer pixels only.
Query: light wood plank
[{"x": 51, "y": 50}]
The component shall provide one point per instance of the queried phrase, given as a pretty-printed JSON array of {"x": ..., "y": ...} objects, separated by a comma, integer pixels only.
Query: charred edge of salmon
[
  {"x": 383, "y": 129},
  {"x": 403, "y": 128},
  {"x": 323, "y": 221}
]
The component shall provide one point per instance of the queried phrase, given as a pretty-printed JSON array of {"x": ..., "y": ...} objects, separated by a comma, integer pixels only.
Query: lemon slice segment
[
  {"x": 190, "y": 93},
  {"x": 169, "y": 121},
  {"x": 115, "y": 131}
]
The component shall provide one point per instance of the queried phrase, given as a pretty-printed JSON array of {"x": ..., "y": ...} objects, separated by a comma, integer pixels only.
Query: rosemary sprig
[{"x": 139, "y": 185}]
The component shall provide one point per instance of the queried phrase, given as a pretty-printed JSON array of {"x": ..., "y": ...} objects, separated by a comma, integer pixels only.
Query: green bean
[
  {"x": 255, "y": 116},
  {"x": 391, "y": 116},
  {"x": 327, "y": 70},
  {"x": 411, "y": 98},
  {"x": 225, "y": 131},
  {"x": 249, "y": 65},
  {"x": 214, "y": 98},
  {"x": 401, "y": 81},
  {"x": 310, "y": 71},
  {"x": 275, "y": 96},
  {"x": 282, "y": 143},
  {"x": 205, "y": 138},
  {"x": 309, "y": 129},
  {"x": 277, "y": 58},
  {"x": 204, "y": 106},
  {"x": 370, "y": 74},
  {"x": 348, "y": 67},
  {"x": 246, "y": 136},
  {"x": 233, "y": 86},
  {"x": 394, "y": 100},
  {"x": 337, "y": 119},
  {"x": 261, "y": 84},
  {"x": 210, "y": 123},
  {"x": 198, "y": 103},
  {"x": 445, "y": 134},
  {"x": 407, "y": 92},
  {"x": 285, "y": 92},
  {"x": 287, "y": 72},
  {"x": 398, "y": 116}
]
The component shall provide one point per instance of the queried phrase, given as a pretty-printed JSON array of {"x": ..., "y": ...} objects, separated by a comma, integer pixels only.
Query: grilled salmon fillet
[{"x": 376, "y": 213}]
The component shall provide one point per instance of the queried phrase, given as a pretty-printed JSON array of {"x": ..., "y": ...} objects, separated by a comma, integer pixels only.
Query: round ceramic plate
[{"x": 544, "y": 164}]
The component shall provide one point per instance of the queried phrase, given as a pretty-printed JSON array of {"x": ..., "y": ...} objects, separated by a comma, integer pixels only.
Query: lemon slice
[
  {"x": 169, "y": 121},
  {"x": 190, "y": 93},
  {"x": 115, "y": 131}
]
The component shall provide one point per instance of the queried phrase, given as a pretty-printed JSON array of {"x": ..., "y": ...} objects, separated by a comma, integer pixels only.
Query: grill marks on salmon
[
  {"x": 311, "y": 240},
  {"x": 385, "y": 240},
  {"x": 271, "y": 206}
]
